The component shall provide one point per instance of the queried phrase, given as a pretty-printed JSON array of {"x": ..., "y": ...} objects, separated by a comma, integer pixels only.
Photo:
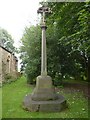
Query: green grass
[
  {"x": 0, "y": 102},
  {"x": 14, "y": 93}
]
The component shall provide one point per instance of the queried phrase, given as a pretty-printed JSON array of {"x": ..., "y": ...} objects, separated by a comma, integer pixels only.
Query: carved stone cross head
[{"x": 43, "y": 10}]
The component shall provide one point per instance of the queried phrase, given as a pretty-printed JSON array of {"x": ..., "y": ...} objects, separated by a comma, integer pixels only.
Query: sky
[{"x": 15, "y": 15}]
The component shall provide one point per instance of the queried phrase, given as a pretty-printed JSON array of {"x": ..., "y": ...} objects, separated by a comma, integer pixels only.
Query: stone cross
[
  {"x": 43, "y": 10},
  {"x": 44, "y": 98}
]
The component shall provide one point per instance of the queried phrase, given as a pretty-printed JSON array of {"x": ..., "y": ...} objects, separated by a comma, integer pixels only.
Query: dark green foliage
[
  {"x": 68, "y": 43},
  {"x": 71, "y": 21}
]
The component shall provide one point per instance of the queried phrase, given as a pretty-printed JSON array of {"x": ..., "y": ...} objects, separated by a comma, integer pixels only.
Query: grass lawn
[
  {"x": 0, "y": 102},
  {"x": 14, "y": 93}
]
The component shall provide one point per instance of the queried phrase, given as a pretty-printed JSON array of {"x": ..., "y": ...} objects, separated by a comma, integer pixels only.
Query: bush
[
  {"x": 57, "y": 81},
  {"x": 30, "y": 79}
]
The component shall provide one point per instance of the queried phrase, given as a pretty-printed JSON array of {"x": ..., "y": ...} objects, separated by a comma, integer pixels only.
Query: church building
[{"x": 8, "y": 64}]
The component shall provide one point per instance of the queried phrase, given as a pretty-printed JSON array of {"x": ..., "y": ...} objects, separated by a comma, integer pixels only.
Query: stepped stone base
[
  {"x": 44, "y": 89},
  {"x": 44, "y": 97},
  {"x": 44, "y": 106}
]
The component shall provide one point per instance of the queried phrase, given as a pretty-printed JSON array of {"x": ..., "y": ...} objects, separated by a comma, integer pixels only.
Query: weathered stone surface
[
  {"x": 44, "y": 106},
  {"x": 8, "y": 64},
  {"x": 44, "y": 89},
  {"x": 44, "y": 98}
]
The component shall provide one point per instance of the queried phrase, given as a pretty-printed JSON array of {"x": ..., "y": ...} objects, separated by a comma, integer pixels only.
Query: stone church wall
[{"x": 8, "y": 64}]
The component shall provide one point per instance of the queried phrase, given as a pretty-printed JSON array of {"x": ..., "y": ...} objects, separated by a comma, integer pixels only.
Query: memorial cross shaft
[{"x": 43, "y": 10}]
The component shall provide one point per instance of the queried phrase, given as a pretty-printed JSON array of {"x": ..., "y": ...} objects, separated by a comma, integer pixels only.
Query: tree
[
  {"x": 72, "y": 24},
  {"x": 68, "y": 48},
  {"x": 30, "y": 52},
  {"x": 6, "y": 40}
]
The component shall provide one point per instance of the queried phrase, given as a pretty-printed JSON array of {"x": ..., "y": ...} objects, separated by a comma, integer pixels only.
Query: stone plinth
[
  {"x": 44, "y": 106},
  {"x": 44, "y": 98},
  {"x": 44, "y": 89}
]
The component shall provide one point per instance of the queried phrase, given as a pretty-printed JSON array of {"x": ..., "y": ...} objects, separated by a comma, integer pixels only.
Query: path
[{"x": 77, "y": 87}]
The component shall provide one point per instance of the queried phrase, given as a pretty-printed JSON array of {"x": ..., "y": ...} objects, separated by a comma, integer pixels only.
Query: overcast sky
[{"x": 15, "y": 15}]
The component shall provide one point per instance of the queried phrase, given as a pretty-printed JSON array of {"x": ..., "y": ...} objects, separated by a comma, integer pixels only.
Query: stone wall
[{"x": 8, "y": 64}]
